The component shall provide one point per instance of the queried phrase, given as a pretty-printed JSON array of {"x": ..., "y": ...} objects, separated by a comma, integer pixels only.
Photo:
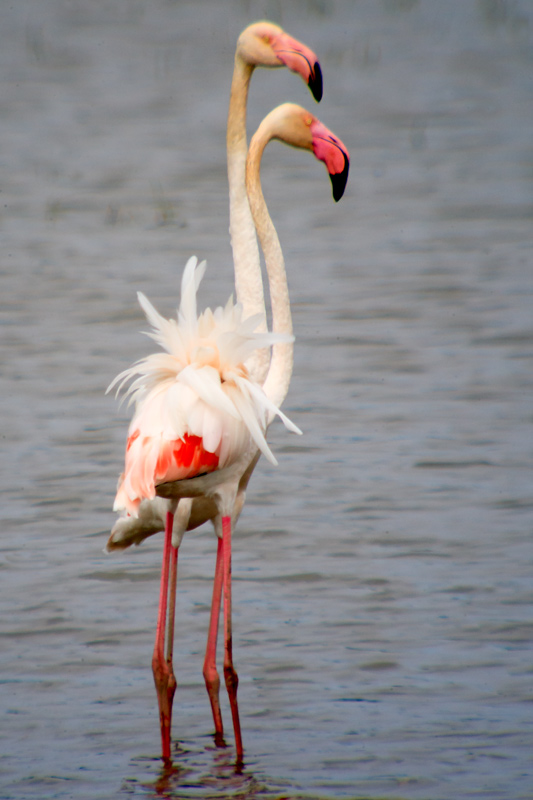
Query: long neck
[
  {"x": 277, "y": 381},
  {"x": 248, "y": 278}
]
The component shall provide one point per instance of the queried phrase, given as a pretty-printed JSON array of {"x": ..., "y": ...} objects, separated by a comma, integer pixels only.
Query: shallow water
[{"x": 383, "y": 591}]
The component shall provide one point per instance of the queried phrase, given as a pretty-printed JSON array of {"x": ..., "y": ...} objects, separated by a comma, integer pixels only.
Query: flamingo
[
  {"x": 201, "y": 418},
  {"x": 262, "y": 44}
]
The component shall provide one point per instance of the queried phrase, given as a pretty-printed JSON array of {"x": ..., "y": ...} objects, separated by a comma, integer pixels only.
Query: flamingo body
[{"x": 197, "y": 410}]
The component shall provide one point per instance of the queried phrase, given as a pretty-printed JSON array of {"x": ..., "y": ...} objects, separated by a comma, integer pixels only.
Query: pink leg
[
  {"x": 173, "y": 580},
  {"x": 211, "y": 677},
  {"x": 165, "y": 682},
  {"x": 230, "y": 675}
]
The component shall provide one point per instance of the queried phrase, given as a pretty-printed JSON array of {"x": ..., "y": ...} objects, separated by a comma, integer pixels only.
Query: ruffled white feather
[{"x": 199, "y": 386}]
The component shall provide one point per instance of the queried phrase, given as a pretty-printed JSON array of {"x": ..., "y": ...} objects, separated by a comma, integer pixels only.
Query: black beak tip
[
  {"x": 315, "y": 82},
  {"x": 340, "y": 179}
]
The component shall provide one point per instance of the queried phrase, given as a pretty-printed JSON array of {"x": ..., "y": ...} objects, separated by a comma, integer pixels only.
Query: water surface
[{"x": 383, "y": 624}]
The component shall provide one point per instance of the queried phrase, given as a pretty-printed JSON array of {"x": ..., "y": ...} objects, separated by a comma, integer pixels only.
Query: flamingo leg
[
  {"x": 165, "y": 682},
  {"x": 230, "y": 675},
  {"x": 173, "y": 579},
  {"x": 211, "y": 677}
]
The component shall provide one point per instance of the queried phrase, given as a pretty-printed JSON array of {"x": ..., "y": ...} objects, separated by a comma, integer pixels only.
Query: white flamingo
[
  {"x": 262, "y": 44},
  {"x": 200, "y": 418}
]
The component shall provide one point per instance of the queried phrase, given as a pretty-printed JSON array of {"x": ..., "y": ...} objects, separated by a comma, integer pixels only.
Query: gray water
[{"x": 382, "y": 573}]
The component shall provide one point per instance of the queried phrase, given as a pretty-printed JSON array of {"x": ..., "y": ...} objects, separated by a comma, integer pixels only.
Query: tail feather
[{"x": 190, "y": 282}]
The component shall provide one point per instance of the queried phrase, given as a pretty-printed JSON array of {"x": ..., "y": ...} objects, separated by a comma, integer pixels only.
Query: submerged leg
[
  {"x": 165, "y": 682},
  {"x": 230, "y": 675},
  {"x": 211, "y": 677}
]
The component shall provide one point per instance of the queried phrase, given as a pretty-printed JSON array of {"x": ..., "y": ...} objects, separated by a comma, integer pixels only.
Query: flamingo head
[
  {"x": 265, "y": 44},
  {"x": 294, "y": 125}
]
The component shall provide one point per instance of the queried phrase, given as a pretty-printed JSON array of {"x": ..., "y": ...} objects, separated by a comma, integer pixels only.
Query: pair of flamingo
[{"x": 203, "y": 406}]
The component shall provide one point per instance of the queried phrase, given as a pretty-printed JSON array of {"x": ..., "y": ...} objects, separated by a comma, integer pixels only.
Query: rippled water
[{"x": 383, "y": 589}]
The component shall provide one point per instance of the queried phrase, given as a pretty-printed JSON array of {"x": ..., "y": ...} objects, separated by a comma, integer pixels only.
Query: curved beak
[
  {"x": 299, "y": 58},
  {"x": 340, "y": 179},
  {"x": 329, "y": 149}
]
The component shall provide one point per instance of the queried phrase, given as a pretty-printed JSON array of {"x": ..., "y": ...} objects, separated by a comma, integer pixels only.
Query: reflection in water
[{"x": 210, "y": 772}]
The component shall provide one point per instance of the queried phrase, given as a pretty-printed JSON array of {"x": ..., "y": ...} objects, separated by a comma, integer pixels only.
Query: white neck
[
  {"x": 247, "y": 264},
  {"x": 277, "y": 381}
]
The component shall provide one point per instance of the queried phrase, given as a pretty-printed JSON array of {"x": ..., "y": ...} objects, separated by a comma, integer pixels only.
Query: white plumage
[
  {"x": 201, "y": 417},
  {"x": 198, "y": 392}
]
